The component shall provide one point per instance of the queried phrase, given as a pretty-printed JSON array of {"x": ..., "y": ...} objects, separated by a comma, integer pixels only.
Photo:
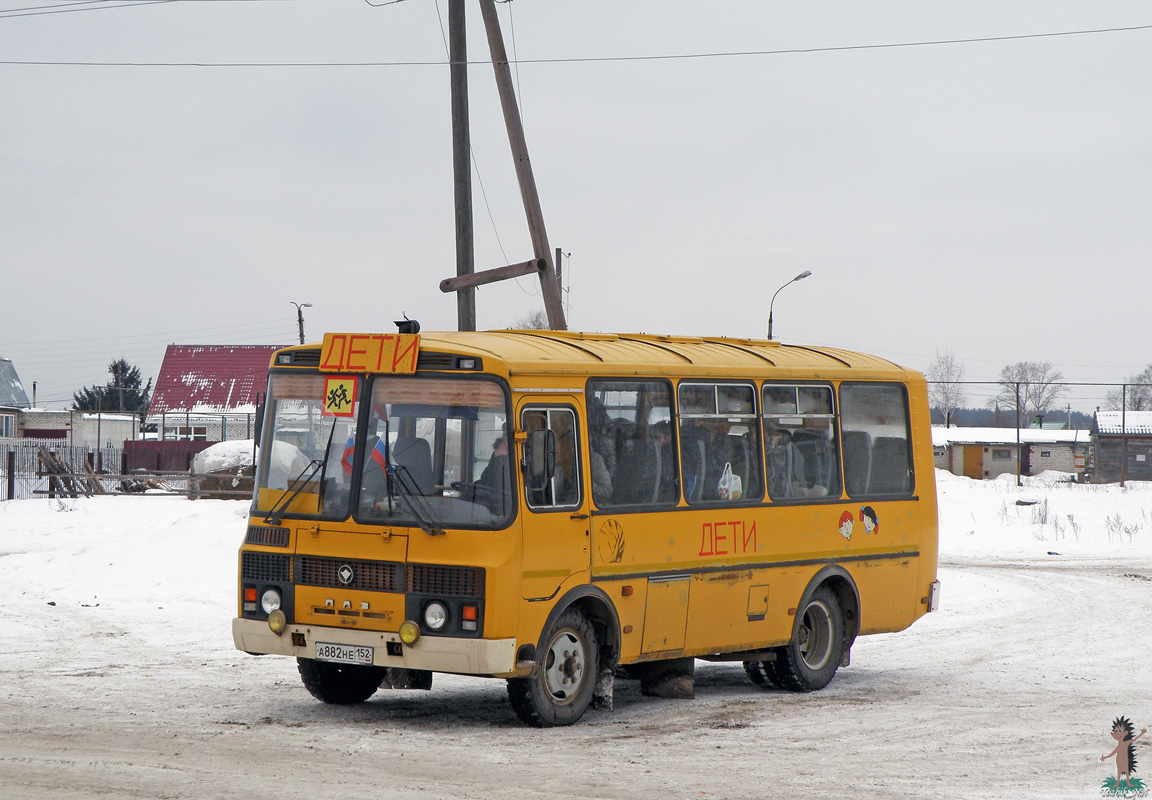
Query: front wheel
[
  {"x": 809, "y": 661},
  {"x": 340, "y": 684},
  {"x": 560, "y": 687}
]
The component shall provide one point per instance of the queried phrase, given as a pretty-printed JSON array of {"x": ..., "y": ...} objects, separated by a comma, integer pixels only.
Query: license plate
[{"x": 343, "y": 653}]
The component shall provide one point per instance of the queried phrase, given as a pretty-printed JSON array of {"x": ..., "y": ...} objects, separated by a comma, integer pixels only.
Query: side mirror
[{"x": 539, "y": 459}]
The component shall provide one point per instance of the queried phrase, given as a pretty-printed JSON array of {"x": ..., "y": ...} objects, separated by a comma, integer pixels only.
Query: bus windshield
[
  {"x": 432, "y": 453},
  {"x": 436, "y": 453}
]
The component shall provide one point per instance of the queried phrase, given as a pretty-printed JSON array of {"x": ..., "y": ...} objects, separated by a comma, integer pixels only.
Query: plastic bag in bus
[{"x": 730, "y": 486}]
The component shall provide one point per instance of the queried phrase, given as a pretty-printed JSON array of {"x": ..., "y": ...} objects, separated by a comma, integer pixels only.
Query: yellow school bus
[{"x": 558, "y": 509}]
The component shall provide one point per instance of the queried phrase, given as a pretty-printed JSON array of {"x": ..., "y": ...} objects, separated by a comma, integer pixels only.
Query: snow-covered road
[{"x": 120, "y": 680}]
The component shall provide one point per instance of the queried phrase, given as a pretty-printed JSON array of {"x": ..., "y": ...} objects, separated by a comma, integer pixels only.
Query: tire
[
  {"x": 560, "y": 687},
  {"x": 340, "y": 684},
  {"x": 809, "y": 661},
  {"x": 761, "y": 673}
]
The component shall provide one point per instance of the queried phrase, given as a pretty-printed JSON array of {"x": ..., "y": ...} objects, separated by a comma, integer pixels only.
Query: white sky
[{"x": 991, "y": 198}]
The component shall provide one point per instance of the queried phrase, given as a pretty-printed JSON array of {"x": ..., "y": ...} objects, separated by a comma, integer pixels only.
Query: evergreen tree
[{"x": 124, "y": 392}]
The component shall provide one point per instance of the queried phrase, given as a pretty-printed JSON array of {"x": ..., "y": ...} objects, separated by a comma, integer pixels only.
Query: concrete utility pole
[
  {"x": 461, "y": 163},
  {"x": 300, "y": 316}
]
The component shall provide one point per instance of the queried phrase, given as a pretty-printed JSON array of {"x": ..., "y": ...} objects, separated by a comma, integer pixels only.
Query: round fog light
[
  {"x": 409, "y": 632},
  {"x": 270, "y": 600},
  {"x": 277, "y": 621},
  {"x": 435, "y": 615}
]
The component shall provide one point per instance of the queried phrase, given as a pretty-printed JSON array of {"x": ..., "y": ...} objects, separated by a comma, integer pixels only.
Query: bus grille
[
  {"x": 268, "y": 537},
  {"x": 266, "y": 568},
  {"x": 370, "y": 576},
  {"x": 437, "y": 580}
]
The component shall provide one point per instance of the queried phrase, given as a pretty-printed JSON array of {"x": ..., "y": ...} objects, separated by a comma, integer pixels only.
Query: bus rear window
[{"x": 874, "y": 428}]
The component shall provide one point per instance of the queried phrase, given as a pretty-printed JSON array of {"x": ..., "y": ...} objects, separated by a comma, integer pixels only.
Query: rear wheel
[
  {"x": 809, "y": 661},
  {"x": 761, "y": 673},
  {"x": 341, "y": 684},
  {"x": 560, "y": 688}
]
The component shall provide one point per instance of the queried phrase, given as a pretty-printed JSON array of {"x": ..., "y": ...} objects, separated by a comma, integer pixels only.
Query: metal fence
[{"x": 22, "y": 476}]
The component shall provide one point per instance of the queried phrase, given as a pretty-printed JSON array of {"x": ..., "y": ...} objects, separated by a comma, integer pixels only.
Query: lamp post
[
  {"x": 300, "y": 318},
  {"x": 799, "y": 277}
]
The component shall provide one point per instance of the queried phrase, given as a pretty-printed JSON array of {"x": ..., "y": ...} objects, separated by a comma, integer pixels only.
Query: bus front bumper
[{"x": 433, "y": 653}]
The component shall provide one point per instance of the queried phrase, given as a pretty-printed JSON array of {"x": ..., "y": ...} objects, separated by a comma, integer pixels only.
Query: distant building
[
  {"x": 1121, "y": 446},
  {"x": 36, "y": 426},
  {"x": 13, "y": 398},
  {"x": 985, "y": 453},
  {"x": 209, "y": 393}
]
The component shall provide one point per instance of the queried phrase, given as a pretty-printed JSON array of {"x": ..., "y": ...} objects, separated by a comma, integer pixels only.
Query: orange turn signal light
[
  {"x": 250, "y": 594},
  {"x": 469, "y": 612}
]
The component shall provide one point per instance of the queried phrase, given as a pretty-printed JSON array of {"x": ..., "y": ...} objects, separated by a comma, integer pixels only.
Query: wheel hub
[{"x": 564, "y": 668}]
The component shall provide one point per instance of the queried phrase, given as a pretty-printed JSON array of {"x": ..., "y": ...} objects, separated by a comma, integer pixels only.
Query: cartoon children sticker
[
  {"x": 846, "y": 523},
  {"x": 869, "y": 518},
  {"x": 1125, "y": 752}
]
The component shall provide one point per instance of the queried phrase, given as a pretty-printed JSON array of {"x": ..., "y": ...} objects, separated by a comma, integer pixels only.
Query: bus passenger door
[{"x": 556, "y": 524}]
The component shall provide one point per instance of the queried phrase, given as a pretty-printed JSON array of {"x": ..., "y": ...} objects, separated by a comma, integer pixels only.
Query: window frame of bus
[
  {"x": 368, "y": 391},
  {"x": 756, "y": 451},
  {"x": 264, "y": 458},
  {"x": 907, "y": 439},
  {"x": 833, "y": 494},
  {"x": 599, "y": 383},
  {"x": 548, "y": 409}
]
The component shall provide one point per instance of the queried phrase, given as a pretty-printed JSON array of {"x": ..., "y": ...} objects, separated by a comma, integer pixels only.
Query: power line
[
  {"x": 104, "y": 5},
  {"x": 79, "y": 5},
  {"x": 573, "y": 60}
]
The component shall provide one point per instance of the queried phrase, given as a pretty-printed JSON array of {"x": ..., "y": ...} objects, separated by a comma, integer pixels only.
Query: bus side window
[
  {"x": 800, "y": 441},
  {"x": 720, "y": 442},
  {"x": 874, "y": 427},
  {"x": 631, "y": 455},
  {"x": 563, "y": 489}
]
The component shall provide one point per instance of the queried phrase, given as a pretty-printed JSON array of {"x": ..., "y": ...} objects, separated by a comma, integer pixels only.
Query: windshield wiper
[
  {"x": 294, "y": 488},
  {"x": 408, "y": 492},
  {"x": 300, "y": 481}
]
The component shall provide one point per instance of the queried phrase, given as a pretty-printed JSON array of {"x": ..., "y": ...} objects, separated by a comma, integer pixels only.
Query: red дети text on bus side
[{"x": 727, "y": 538}]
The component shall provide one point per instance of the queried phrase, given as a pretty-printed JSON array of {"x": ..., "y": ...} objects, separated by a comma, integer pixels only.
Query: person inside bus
[
  {"x": 666, "y": 472},
  {"x": 601, "y": 478},
  {"x": 493, "y": 487},
  {"x": 778, "y": 467}
]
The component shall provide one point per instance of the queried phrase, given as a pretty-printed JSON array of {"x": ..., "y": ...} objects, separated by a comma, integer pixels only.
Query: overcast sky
[{"x": 992, "y": 198}]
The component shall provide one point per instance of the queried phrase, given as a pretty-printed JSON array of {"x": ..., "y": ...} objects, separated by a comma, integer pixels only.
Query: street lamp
[
  {"x": 300, "y": 318},
  {"x": 799, "y": 277}
]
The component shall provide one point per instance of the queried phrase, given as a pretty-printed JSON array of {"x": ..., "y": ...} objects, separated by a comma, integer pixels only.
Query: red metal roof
[{"x": 211, "y": 379}]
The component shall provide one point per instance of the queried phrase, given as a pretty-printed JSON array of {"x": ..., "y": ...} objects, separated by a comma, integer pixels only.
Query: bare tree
[
  {"x": 945, "y": 391},
  {"x": 532, "y": 321},
  {"x": 1039, "y": 387},
  {"x": 1137, "y": 395}
]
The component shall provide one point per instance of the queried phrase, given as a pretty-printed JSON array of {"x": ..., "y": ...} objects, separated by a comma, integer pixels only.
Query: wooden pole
[
  {"x": 548, "y": 285},
  {"x": 461, "y": 163}
]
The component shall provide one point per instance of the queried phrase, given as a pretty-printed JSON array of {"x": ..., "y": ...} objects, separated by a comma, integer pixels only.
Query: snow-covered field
[{"x": 119, "y": 677}]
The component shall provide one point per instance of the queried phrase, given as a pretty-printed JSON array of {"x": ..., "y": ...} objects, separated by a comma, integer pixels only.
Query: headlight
[
  {"x": 435, "y": 615},
  {"x": 270, "y": 600}
]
